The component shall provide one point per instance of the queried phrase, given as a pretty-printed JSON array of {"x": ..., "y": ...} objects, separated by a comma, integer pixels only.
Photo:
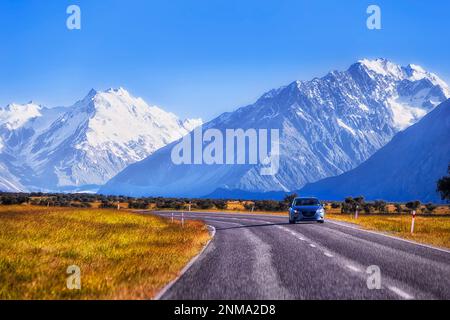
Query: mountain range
[
  {"x": 336, "y": 132},
  {"x": 327, "y": 126},
  {"x": 79, "y": 148},
  {"x": 407, "y": 168}
]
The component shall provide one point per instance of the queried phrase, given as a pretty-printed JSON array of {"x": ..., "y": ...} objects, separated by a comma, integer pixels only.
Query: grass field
[
  {"x": 428, "y": 229},
  {"x": 121, "y": 255}
]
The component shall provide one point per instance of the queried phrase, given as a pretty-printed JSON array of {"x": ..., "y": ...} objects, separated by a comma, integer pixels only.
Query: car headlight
[{"x": 320, "y": 211}]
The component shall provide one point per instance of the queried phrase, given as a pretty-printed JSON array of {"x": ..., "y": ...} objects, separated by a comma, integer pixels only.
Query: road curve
[{"x": 263, "y": 257}]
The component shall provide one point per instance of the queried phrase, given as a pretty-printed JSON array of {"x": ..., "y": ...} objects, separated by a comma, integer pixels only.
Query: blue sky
[{"x": 199, "y": 58}]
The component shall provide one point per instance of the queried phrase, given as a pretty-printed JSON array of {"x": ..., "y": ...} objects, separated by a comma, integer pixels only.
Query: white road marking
[
  {"x": 401, "y": 293},
  {"x": 328, "y": 254},
  {"x": 186, "y": 267},
  {"x": 353, "y": 268},
  {"x": 389, "y": 236},
  {"x": 312, "y": 245}
]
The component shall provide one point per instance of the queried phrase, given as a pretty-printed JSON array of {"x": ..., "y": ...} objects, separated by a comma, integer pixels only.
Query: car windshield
[{"x": 306, "y": 202}]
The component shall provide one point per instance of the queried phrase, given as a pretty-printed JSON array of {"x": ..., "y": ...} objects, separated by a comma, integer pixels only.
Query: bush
[
  {"x": 269, "y": 205},
  {"x": 248, "y": 205},
  {"x": 287, "y": 201},
  {"x": 107, "y": 205},
  {"x": 430, "y": 207},
  {"x": 443, "y": 186},
  {"x": 138, "y": 204},
  {"x": 380, "y": 206},
  {"x": 220, "y": 204},
  {"x": 368, "y": 208},
  {"x": 13, "y": 199},
  {"x": 335, "y": 205},
  {"x": 413, "y": 205},
  {"x": 205, "y": 204}
]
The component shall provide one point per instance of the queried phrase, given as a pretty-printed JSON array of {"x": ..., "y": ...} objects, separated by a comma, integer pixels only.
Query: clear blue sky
[{"x": 198, "y": 58}]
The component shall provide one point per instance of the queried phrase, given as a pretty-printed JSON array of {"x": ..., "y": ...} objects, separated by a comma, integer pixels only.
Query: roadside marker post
[
  {"x": 412, "y": 222},
  {"x": 172, "y": 217},
  {"x": 182, "y": 219}
]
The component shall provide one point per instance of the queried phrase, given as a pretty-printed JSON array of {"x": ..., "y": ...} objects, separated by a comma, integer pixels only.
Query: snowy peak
[
  {"x": 191, "y": 124},
  {"x": 411, "y": 72},
  {"x": 91, "y": 141},
  {"x": 14, "y": 116},
  {"x": 327, "y": 126},
  {"x": 382, "y": 67}
]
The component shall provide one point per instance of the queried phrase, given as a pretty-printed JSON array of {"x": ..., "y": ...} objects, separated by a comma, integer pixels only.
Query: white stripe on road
[
  {"x": 353, "y": 268},
  {"x": 312, "y": 245},
  {"x": 328, "y": 254},
  {"x": 401, "y": 293},
  {"x": 389, "y": 236}
]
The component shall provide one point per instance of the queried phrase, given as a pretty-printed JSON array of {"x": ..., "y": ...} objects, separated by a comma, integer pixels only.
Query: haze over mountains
[
  {"x": 328, "y": 126},
  {"x": 82, "y": 146}
]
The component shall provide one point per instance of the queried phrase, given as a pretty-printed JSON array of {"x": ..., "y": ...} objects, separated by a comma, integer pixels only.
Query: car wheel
[
  {"x": 321, "y": 221},
  {"x": 291, "y": 222}
]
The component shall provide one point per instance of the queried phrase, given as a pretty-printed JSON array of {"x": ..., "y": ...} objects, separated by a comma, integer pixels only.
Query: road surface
[{"x": 263, "y": 257}]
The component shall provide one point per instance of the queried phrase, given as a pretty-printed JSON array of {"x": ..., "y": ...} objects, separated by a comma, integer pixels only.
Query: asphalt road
[{"x": 263, "y": 257}]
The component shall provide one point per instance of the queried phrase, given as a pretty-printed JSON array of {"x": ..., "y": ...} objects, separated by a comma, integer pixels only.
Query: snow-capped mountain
[
  {"x": 18, "y": 122},
  {"x": 407, "y": 168},
  {"x": 84, "y": 145},
  {"x": 8, "y": 181},
  {"x": 327, "y": 126},
  {"x": 18, "y": 125}
]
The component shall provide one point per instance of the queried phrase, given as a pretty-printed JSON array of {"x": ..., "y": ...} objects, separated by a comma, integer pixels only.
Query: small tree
[
  {"x": 380, "y": 205},
  {"x": 413, "y": 205},
  {"x": 443, "y": 186},
  {"x": 287, "y": 201},
  {"x": 348, "y": 205},
  {"x": 430, "y": 207},
  {"x": 220, "y": 204},
  {"x": 368, "y": 208},
  {"x": 335, "y": 205},
  {"x": 398, "y": 208},
  {"x": 248, "y": 205},
  {"x": 359, "y": 203}
]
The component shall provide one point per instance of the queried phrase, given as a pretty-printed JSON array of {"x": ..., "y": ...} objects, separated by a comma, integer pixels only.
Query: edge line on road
[
  {"x": 389, "y": 236},
  {"x": 186, "y": 267},
  {"x": 401, "y": 293}
]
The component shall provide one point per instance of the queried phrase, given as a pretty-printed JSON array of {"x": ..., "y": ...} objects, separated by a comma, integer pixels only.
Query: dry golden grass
[
  {"x": 428, "y": 229},
  {"x": 122, "y": 255}
]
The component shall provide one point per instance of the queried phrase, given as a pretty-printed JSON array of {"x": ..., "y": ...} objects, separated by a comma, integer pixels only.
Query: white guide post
[{"x": 413, "y": 220}]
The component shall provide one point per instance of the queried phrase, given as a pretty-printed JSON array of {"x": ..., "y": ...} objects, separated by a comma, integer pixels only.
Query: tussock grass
[
  {"x": 122, "y": 255},
  {"x": 428, "y": 229}
]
